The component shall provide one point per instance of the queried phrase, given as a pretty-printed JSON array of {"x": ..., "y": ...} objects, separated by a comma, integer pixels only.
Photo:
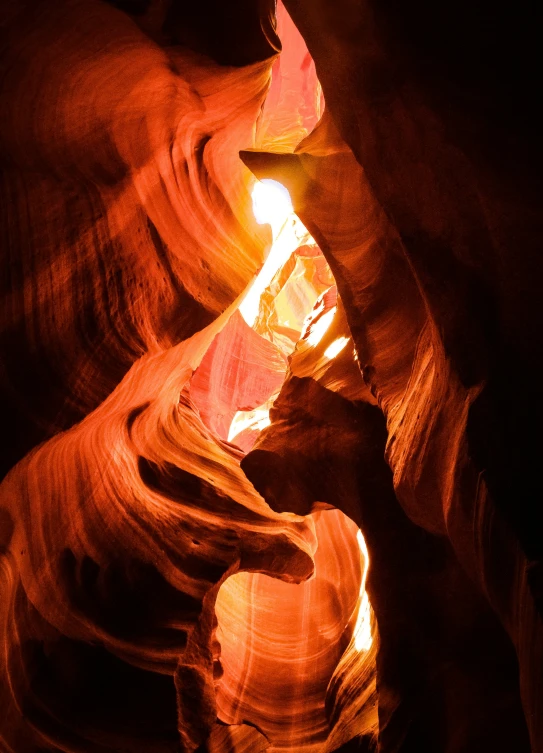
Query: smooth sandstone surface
[{"x": 181, "y": 568}]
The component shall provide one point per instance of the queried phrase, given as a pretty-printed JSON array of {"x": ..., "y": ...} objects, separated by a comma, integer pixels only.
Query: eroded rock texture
[
  {"x": 152, "y": 598},
  {"x": 421, "y": 227},
  {"x": 446, "y": 670},
  {"x": 113, "y": 566},
  {"x": 127, "y": 221},
  {"x": 281, "y": 645}
]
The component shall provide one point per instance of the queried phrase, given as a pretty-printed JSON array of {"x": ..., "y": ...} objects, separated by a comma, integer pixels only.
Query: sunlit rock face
[
  {"x": 118, "y": 532},
  {"x": 300, "y": 663},
  {"x": 421, "y": 230},
  {"x": 112, "y": 568},
  {"x": 430, "y": 617},
  {"x": 128, "y": 220},
  {"x": 388, "y": 366},
  {"x": 281, "y": 646},
  {"x": 239, "y": 372}
]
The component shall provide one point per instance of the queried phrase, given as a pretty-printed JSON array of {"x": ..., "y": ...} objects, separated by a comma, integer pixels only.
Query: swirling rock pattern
[
  {"x": 113, "y": 566},
  {"x": 239, "y": 372},
  {"x": 281, "y": 645},
  {"x": 127, "y": 215},
  {"x": 445, "y": 126},
  {"x": 418, "y": 271},
  {"x": 442, "y": 653},
  {"x": 127, "y": 230},
  {"x": 329, "y": 680}
]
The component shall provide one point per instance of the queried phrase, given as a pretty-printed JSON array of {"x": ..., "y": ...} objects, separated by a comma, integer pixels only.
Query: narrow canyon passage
[
  {"x": 280, "y": 644},
  {"x": 270, "y": 345}
]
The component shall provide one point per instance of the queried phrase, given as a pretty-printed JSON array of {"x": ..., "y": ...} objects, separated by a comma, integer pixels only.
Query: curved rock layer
[
  {"x": 126, "y": 211},
  {"x": 300, "y": 663},
  {"x": 295, "y": 101},
  {"x": 239, "y": 372},
  {"x": 445, "y": 125},
  {"x": 447, "y": 675},
  {"x": 127, "y": 234},
  {"x": 423, "y": 258},
  {"x": 112, "y": 567},
  {"x": 291, "y": 295},
  {"x": 117, "y": 533},
  {"x": 281, "y": 645}
]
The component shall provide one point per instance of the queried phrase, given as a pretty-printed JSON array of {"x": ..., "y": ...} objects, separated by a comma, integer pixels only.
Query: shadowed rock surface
[{"x": 392, "y": 372}]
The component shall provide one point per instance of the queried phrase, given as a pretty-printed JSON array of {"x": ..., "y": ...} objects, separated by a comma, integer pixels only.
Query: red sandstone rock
[
  {"x": 123, "y": 529},
  {"x": 128, "y": 229}
]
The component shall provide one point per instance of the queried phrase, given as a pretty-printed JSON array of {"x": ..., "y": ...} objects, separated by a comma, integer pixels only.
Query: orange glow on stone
[
  {"x": 336, "y": 347},
  {"x": 272, "y": 205},
  {"x": 362, "y": 631},
  {"x": 320, "y": 327}
]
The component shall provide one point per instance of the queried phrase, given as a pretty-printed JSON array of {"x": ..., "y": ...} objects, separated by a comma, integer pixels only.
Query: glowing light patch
[
  {"x": 362, "y": 631},
  {"x": 318, "y": 330},
  {"x": 336, "y": 347},
  {"x": 256, "y": 419},
  {"x": 272, "y": 204}
]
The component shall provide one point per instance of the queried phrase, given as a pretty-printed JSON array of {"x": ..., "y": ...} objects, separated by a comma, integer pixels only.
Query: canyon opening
[{"x": 270, "y": 357}]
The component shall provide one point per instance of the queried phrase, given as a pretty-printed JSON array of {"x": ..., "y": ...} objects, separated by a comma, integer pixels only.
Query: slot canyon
[{"x": 270, "y": 377}]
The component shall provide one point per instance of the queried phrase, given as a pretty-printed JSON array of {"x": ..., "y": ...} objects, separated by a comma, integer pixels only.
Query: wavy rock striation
[
  {"x": 281, "y": 644},
  {"x": 126, "y": 210},
  {"x": 410, "y": 401},
  {"x": 442, "y": 654},
  {"x": 123, "y": 529},
  {"x": 429, "y": 363}
]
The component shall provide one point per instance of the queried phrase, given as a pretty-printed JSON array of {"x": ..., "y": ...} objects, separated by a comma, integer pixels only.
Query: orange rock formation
[{"x": 302, "y": 519}]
